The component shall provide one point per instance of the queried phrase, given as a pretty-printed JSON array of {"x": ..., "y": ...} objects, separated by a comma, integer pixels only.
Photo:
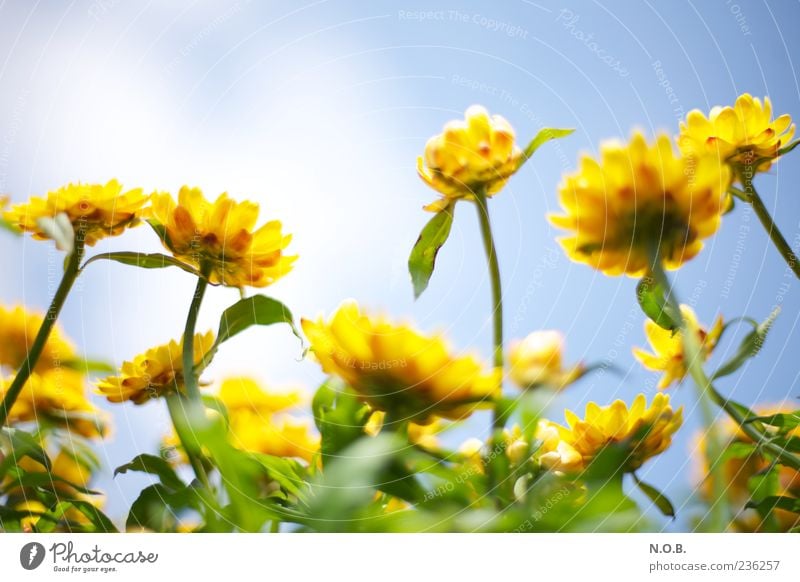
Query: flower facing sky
[
  {"x": 221, "y": 236},
  {"x": 155, "y": 373},
  {"x": 396, "y": 369},
  {"x": 667, "y": 347},
  {"x": 640, "y": 199},
  {"x": 742, "y": 134},
  {"x": 642, "y": 431},
  {"x": 476, "y": 152},
  {"x": 95, "y": 210}
]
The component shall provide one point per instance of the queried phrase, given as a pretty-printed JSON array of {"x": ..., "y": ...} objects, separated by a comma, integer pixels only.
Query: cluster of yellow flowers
[
  {"x": 635, "y": 207},
  {"x": 218, "y": 238}
]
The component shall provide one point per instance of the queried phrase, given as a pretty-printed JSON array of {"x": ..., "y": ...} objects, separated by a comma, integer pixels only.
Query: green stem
[
  {"x": 693, "y": 357},
  {"x": 176, "y": 405},
  {"x": 497, "y": 291},
  {"x": 193, "y": 396},
  {"x": 189, "y": 375},
  {"x": 769, "y": 225},
  {"x": 71, "y": 272}
]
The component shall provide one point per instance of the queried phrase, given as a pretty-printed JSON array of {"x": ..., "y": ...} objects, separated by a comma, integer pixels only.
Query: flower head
[
  {"x": 668, "y": 347},
  {"x": 96, "y": 211},
  {"x": 643, "y": 432},
  {"x": 478, "y": 152},
  {"x": 18, "y": 329},
  {"x": 221, "y": 236},
  {"x": 537, "y": 361},
  {"x": 58, "y": 398},
  {"x": 397, "y": 369},
  {"x": 638, "y": 199},
  {"x": 743, "y": 135},
  {"x": 155, "y": 373},
  {"x": 258, "y": 421},
  {"x": 737, "y": 470}
]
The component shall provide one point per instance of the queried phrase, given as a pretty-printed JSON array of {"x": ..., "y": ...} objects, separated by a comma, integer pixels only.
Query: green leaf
[
  {"x": 749, "y": 348},
  {"x": 153, "y": 465},
  {"x": 340, "y": 418},
  {"x": 89, "y": 365},
  {"x": 773, "y": 502},
  {"x": 546, "y": 134},
  {"x": 22, "y": 444},
  {"x": 143, "y": 260},
  {"x": 784, "y": 421},
  {"x": 9, "y": 227},
  {"x": 289, "y": 474},
  {"x": 101, "y": 522},
  {"x": 764, "y": 484},
  {"x": 256, "y": 310},
  {"x": 659, "y": 499},
  {"x": 43, "y": 481},
  {"x": 157, "y": 507},
  {"x": 422, "y": 259},
  {"x": 788, "y": 148},
  {"x": 654, "y": 305}
]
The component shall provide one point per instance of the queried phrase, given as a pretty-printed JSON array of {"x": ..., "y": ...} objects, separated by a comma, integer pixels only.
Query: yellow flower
[
  {"x": 18, "y": 329},
  {"x": 517, "y": 446},
  {"x": 639, "y": 198},
  {"x": 742, "y": 135},
  {"x": 257, "y": 421},
  {"x": 643, "y": 432},
  {"x": 396, "y": 369},
  {"x": 478, "y": 152},
  {"x": 668, "y": 347},
  {"x": 423, "y": 435},
  {"x": 737, "y": 471},
  {"x": 56, "y": 397},
  {"x": 155, "y": 373},
  {"x": 221, "y": 236},
  {"x": 537, "y": 361},
  {"x": 255, "y": 426},
  {"x": 95, "y": 210}
]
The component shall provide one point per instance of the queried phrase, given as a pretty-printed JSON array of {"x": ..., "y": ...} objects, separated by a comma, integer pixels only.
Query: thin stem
[
  {"x": 693, "y": 357},
  {"x": 71, "y": 271},
  {"x": 193, "y": 397},
  {"x": 772, "y": 229},
  {"x": 189, "y": 375},
  {"x": 497, "y": 291}
]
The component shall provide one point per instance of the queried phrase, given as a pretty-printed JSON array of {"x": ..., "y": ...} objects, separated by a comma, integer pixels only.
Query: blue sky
[{"x": 317, "y": 110}]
